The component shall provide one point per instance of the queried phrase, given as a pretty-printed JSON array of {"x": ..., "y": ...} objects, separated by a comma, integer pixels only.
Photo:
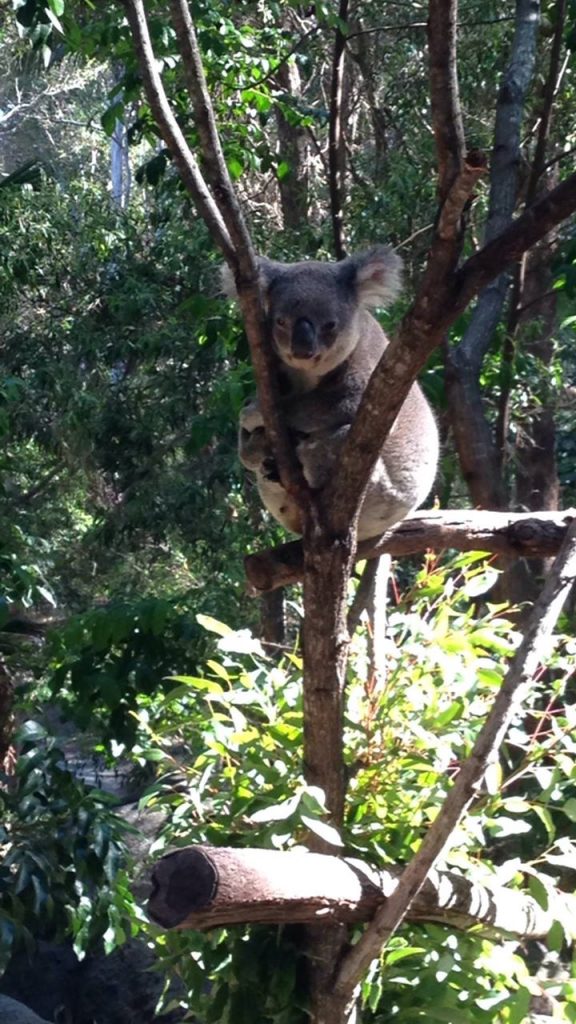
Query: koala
[{"x": 328, "y": 344}]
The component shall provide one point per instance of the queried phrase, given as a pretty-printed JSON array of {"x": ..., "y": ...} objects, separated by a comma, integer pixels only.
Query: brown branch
[
  {"x": 444, "y": 93},
  {"x": 515, "y": 687},
  {"x": 336, "y": 148},
  {"x": 212, "y": 154},
  {"x": 223, "y": 218},
  {"x": 534, "y": 224},
  {"x": 459, "y": 195},
  {"x": 171, "y": 132},
  {"x": 514, "y": 534},
  {"x": 205, "y": 887},
  {"x": 440, "y": 300}
]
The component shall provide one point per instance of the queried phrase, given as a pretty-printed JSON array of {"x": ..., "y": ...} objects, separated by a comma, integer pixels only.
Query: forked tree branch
[
  {"x": 171, "y": 132},
  {"x": 444, "y": 294},
  {"x": 221, "y": 212},
  {"x": 213, "y": 158},
  {"x": 533, "y": 649}
]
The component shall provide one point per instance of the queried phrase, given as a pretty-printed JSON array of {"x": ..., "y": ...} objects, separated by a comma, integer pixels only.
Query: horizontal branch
[
  {"x": 515, "y": 534},
  {"x": 205, "y": 887}
]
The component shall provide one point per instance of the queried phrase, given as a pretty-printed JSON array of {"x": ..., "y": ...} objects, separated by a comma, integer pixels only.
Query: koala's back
[{"x": 405, "y": 471}]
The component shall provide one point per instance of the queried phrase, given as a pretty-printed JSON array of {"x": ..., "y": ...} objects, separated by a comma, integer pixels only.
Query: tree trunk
[
  {"x": 6, "y": 710},
  {"x": 293, "y": 150}
]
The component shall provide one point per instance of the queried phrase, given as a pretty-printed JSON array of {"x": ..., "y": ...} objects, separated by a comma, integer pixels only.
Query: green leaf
[
  {"x": 569, "y": 809},
  {"x": 395, "y": 955},
  {"x": 480, "y": 583},
  {"x": 198, "y": 683},
  {"x": 278, "y": 812},
  {"x": 539, "y": 892},
  {"x": 320, "y": 828},
  {"x": 235, "y": 168},
  {"x": 213, "y": 625}
]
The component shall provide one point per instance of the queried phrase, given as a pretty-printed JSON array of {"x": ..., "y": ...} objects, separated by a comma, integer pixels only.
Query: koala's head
[{"x": 314, "y": 308}]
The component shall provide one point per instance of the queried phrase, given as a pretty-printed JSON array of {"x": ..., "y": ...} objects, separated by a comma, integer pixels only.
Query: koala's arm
[
  {"x": 253, "y": 447},
  {"x": 334, "y": 402}
]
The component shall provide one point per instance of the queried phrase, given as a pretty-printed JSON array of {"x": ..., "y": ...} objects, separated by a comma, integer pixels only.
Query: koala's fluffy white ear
[
  {"x": 378, "y": 275},
  {"x": 227, "y": 282},
  {"x": 268, "y": 269}
]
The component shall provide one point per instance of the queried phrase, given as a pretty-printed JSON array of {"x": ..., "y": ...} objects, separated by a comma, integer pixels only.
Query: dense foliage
[{"x": 124, "y": 517}]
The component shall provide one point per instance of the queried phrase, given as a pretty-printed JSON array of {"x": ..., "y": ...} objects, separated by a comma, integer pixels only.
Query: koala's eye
[
  {"x": 330, "y": 326},
  {"x": 280, "y": 321}
]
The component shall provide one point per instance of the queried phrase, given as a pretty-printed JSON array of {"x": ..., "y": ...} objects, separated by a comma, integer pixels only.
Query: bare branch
[
  {"x": 212, "y": 155},
  {"x": 336, "y": 148},
  {"x": 223, "y": 218},
  {"x": 533, "y": 648},
  {"x": 205, "y": 887},
  {"x": 171, "y": 132},
  {"x": 534, "y": 224},
  {"x": 514, "y": 534},
  {"x": 444, "y": 93},
  {"x": 550, "y": 87},
  {"x": 459, "y": 195}
]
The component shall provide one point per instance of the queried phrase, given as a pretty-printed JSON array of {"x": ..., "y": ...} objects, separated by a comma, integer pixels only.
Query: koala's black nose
[{"x": 304, "y": 341}]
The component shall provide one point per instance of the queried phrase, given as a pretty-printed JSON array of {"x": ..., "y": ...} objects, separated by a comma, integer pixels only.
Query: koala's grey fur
[
  {"x": 13, "y": 1012},
  {"x": 328, "y": 345}
]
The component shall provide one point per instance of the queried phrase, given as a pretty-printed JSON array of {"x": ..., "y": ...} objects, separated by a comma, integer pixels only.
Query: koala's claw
[{"x": 269, "y": 470}]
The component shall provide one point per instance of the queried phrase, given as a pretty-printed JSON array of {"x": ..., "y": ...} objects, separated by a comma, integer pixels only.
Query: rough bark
[
  {"x": 336, "y": 143},
  {"x": 204, "y": 887},
  {"x": 272, "y": 622},
  {"x": 293, "y": 149},
  {"x": 444, "y": 92},
  {"x": 479, "y": 458},
  {"x": 514, "y": 534}
]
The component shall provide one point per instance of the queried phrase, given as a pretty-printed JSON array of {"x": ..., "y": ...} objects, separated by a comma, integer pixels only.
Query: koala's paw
[
  {"x": 269, "y": 470},
  {"x": 253, "y": 448}
]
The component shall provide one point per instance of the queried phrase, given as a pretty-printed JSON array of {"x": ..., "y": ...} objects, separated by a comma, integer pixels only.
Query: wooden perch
[
  {"x": 516, "y": 534},
  {"x": 205, "y": 887}
]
